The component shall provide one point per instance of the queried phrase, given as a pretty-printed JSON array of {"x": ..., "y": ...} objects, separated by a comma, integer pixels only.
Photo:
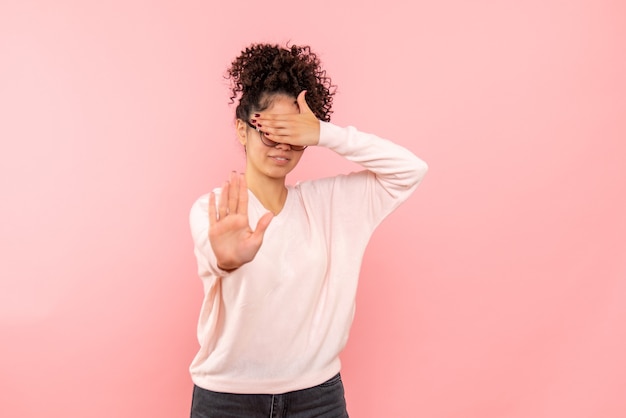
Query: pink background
[{"x": 497, "y": 290}]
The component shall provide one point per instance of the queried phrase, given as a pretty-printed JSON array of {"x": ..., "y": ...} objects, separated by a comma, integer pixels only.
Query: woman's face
[{"x": 274, "y": 162}]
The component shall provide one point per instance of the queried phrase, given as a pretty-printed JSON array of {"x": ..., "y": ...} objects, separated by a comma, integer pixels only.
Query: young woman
[{"x": 280, "y": 263}]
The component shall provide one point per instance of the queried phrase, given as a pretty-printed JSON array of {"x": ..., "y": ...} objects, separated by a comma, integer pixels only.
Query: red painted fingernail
[
  {"x": 253, "y": 120},
  {"x": 257, "y": 115},
  {"x": 259, "y": 125}
]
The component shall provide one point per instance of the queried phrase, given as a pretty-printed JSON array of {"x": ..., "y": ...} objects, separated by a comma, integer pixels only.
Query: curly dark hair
[{"x": 265, "y": 69}]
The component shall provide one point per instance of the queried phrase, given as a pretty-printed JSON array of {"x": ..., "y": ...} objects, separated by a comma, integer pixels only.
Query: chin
[{"x": 278, "y": 173}]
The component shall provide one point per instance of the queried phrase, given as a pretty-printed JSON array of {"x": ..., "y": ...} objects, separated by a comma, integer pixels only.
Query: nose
[{"x": 283, "y": 146}]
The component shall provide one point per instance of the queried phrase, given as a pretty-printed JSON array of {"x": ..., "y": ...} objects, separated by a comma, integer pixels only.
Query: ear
[{"x": 242, "y": 131}]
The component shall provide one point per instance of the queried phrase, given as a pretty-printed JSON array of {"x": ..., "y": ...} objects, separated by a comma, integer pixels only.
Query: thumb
[
  {"x": 302, "y": 104},
  {"x": 262, "y": 225}
]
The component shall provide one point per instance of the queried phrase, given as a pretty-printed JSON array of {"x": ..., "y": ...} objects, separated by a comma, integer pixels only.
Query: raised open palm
[{"x": 234, "y": 243}]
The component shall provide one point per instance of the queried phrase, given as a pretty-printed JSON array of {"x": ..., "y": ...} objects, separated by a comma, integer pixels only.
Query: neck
[{"x": 272, "y": 193}]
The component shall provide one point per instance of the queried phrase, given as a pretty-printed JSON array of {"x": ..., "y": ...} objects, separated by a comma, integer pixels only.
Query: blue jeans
[{"x": 321, "y": 401}]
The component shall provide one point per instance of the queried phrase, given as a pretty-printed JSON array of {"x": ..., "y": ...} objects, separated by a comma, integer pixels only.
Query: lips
[{"x": 279, "y": 158}]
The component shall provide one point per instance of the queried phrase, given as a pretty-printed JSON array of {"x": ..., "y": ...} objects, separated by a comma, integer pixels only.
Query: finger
[
  {"x": 262, "y": 225},
  {"x": 273, "y": 133},
  {"x": 233, "y": 193},
  {"x": 283, "y": 125},
  {"x": 278, "y": 119},
  {"x": 242, "y": 205},
  {"x": 274, "y": 122},
  {"x": 212, "y": 211},
  {"x": 302, "y": 104},
  {"x": 222, "y": 207}
]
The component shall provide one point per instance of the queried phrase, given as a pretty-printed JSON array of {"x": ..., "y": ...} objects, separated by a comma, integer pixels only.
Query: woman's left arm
[{"x": 397, "y": 169}]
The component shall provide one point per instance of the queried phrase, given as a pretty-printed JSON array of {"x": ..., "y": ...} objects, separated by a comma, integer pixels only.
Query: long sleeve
[
  {"x": 279, "y": 323},
  {"x": 391, "y": 172},
  {"x": 396, "y": 168}
]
